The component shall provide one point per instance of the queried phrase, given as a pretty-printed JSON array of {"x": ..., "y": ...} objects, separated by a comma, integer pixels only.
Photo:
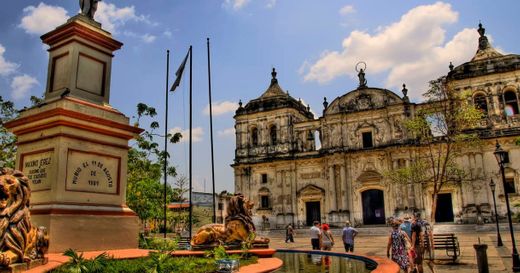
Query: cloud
[
  {"x": 112, "y": 17},
  {"x": 43, "y": 18},
  {"x": 6, "y": 67},
  {"x": 21, "y": 85},
  {"x": 236, "y": 4},
  {"x": 167, "y": 33},
  {"x": 271, "y": 4},
  {"x": 348, "y": 9},
  {"x": 147, "y": 38},
  {"x": 220, "y": 108},
  {"x": 197, "y": 134},
  {"x": 412, "y": 50},
  {"x": 226, "y": 132}
]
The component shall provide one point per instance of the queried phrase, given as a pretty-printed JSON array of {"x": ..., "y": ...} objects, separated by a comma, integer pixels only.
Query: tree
[
  {"x": 180, "y": 188},
  {"x": 7, "y": 140},
  {"x": 442, "y": 129},
  {"x": 145, "y": 169}
]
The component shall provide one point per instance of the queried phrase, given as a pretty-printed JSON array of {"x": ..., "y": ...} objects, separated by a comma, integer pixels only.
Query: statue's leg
[{"x": 87, "y": 8}]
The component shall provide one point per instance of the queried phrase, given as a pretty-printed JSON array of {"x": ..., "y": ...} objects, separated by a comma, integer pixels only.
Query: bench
[{"x": 448, "y": 242}]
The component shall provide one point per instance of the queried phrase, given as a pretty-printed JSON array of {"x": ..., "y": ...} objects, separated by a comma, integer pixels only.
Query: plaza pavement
[{"x": 372, "y": 241}]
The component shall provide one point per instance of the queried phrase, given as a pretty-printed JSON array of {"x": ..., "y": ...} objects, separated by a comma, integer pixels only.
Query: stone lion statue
[
  {"x": 20, "y": 241},
  {"x": 239, "y": 227}
]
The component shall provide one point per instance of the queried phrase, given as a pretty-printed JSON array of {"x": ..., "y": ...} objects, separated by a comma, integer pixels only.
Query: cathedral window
[
  {"x": 367, "y": 140},
  {"x": 264, "y": 178},
  {"x": 264, "y": 199},
  {"x": 254, "y": 136},
  {"x": 264, "y": 202},
  {"x": 511, "y": 103},
  {"x": 310, "y": 135},
  {"x": 273, "y": 134},
  {"x": 481, "y": 103}
]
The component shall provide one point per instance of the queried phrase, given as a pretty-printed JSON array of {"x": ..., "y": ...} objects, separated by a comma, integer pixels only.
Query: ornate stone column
[
  {"x": 332, "y": 190},
  {"x": 343, "y": 180}
]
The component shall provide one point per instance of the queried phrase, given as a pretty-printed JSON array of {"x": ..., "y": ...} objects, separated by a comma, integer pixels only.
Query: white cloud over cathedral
[{"x": 412, "y": 50}]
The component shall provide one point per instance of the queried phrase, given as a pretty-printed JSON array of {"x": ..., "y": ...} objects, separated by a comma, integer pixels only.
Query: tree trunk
[{"x": 434, "y": 207}]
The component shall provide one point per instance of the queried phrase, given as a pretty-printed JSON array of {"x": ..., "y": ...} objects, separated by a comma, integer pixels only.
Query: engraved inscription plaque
[
  {"x": 92, "y": 172},
  {"x": 37, "y": 167}
]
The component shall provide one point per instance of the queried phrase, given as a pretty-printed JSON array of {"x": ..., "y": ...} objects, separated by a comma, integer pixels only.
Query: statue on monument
[
  {"x": 88, "y": 7},
  {"x": 20, "y": 240}
]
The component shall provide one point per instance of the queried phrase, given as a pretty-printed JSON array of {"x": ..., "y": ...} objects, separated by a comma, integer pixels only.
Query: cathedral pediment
[
  {"x": 310, "y": 190},
  {"x": 363, "y": 99},
  {"x": 369, "y": 176}
]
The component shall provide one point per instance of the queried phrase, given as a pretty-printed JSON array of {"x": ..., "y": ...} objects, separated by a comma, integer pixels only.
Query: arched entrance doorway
[
  {"x": 444, "y": 212},
  {"x": 373, "y": 207},
  {"x": 310, "y": 202}
]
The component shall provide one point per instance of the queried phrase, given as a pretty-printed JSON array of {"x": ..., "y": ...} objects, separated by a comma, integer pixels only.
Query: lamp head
[
  {"x": 492, "y": 185},
  {"x": 500, "y": 154}
]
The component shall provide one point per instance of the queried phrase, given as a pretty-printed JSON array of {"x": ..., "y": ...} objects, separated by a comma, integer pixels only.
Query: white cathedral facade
[{"x": 279, "y": 167}]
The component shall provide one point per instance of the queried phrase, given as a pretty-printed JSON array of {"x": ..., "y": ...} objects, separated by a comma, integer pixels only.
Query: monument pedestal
[{"x": 74, "y": 147}]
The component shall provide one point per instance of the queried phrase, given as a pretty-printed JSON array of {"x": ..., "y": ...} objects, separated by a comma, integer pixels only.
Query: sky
[{"x": 314, "y": 46}]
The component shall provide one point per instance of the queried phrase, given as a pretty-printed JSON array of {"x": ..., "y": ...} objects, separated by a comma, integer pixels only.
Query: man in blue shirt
[{"x": 348, "y": 235}]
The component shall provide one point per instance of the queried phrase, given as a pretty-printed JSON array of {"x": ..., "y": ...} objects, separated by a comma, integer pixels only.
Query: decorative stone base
[
  {"x": 21, "y": 267},
  {"x": 89, "y": 232}
]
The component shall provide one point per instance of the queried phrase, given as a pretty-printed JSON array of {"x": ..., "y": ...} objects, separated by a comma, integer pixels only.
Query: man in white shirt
[{"x": 316, "y": 236}]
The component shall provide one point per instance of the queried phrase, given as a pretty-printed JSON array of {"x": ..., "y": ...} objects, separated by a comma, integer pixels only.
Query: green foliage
[
  {"x": 145, "y": 197},
  {"x": 7, "y": 140},
  {"x": 145, "y": 188},
  {"x": 78, "y": 264},
  {"x": 217, "y": 253},
  {"x": 156, "y": 262},
  {"x": 161, "y": 244},
  {"x": 247, "y": 245},
  {"x": 8, "y": 149}
]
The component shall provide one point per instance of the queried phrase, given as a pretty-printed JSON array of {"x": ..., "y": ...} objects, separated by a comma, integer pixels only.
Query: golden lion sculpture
[
  {"x": 239, "y": 227},
  {"x": 20, "y": 241}
]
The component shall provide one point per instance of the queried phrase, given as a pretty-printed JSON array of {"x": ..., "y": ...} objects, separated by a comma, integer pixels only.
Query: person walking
[
  {"x": 289, "y": 234},
  {"x": 348, "y": 234},
  {"x": 316, "y": 236},
  {"x": 327, "y": 241},
  {"x": 397, "y": 242},
  {"x": 418, "y": 241}
]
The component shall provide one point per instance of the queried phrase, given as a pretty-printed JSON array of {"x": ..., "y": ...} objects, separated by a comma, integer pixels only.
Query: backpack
[{"x": 407, "y": 227}]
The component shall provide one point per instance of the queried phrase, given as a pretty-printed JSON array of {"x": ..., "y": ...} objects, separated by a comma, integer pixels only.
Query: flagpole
[
  {"x": 211, "y": 136},
  {"x": 191, "y": 135},
  {"x": 166, "y": 137}
]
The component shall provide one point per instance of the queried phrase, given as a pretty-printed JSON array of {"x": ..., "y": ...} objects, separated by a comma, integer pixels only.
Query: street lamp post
[
  {"x": 500, "y": 155},
  {"x": 493, "y": 185}
]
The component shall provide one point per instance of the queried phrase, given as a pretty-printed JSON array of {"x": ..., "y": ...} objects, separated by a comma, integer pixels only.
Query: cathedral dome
[
  {"x": 274, "y": 98},
  {"x": 487, "y": 60}
]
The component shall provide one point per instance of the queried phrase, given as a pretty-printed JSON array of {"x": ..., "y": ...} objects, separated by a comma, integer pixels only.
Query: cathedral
[{"x": 298, "y": 168}]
